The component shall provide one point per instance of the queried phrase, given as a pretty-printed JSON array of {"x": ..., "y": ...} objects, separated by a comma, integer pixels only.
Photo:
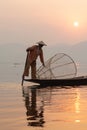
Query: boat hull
[{"x": 60, "y": 82}]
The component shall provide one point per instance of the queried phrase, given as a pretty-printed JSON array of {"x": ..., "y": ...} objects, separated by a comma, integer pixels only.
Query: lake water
[
  {"x": 32, "y": 108},
  {"x": 27, "y": 107}
]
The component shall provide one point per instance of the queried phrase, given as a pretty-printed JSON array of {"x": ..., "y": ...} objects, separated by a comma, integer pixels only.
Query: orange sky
[{"x": 52, "y": 21}]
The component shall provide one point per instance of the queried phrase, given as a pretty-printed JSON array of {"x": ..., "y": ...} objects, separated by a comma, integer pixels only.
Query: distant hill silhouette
[
  {"x": 12, "y": 52},
  {"x": 17, "y": 52},
  {"x": 79, "y": 52}
]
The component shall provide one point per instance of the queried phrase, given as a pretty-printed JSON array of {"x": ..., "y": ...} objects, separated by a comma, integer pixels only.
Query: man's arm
[{"x": 42, "y": 58}]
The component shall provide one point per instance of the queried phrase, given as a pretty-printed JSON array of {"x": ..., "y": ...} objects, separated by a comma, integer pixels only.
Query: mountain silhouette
[
  {"x": 79, "y": 52},
  {"x": 17, "y": 52}
]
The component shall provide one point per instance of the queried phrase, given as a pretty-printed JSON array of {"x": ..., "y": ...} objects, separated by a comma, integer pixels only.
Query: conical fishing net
[{"x": 60, "y": 66}]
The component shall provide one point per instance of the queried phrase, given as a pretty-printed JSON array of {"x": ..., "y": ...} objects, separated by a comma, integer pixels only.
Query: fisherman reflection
[{"x": 34, "y": 115}]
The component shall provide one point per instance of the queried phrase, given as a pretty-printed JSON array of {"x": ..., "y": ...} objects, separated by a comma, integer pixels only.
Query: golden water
[{"x": 51, "y": 108}]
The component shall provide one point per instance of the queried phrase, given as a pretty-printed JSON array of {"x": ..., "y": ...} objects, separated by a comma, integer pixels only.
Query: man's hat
[{"x": 41, "y": 43}]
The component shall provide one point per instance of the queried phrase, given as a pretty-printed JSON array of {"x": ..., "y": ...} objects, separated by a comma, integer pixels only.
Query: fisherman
[{"x": 32, "y": 55}]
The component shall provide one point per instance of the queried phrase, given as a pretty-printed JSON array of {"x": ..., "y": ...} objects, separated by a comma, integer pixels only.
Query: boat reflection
[{"x": 51, "y": 102}]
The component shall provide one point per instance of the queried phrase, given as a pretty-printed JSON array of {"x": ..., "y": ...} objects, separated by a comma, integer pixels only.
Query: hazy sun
[{"x": 76, "y": 24}]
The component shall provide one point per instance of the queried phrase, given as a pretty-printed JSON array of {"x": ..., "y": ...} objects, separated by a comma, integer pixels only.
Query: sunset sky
[{"x": 53, "y": 21}]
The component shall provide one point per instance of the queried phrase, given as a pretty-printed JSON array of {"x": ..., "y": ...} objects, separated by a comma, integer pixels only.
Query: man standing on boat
[{"x": 32, "y": 55}]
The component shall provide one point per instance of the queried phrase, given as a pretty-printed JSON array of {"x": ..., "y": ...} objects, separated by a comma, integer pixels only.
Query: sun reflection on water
[
  {"x": 77, "y": 121},
  {"x": 77, "y": 106}
]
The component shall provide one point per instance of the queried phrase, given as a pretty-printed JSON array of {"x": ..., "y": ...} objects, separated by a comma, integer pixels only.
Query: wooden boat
[
  {"x": 59, "y": 70},
  {"x": 77, "y": 81}
]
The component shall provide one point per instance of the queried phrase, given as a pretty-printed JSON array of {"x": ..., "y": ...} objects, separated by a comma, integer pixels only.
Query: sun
[{"x": 76, "y": 24}]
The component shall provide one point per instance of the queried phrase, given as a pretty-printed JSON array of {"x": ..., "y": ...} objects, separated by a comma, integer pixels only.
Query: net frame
[{"x": 48, "y": 72}]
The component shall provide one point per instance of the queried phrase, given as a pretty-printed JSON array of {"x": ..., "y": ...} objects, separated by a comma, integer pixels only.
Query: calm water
[
  {"x": 31, "y": 108},
  {"x": 27, "y": 107}
]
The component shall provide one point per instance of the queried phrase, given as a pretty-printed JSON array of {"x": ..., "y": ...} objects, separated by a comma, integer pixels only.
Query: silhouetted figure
[{"x": 32, "y": 55}]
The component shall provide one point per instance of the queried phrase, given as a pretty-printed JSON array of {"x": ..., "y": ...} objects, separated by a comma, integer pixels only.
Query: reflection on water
[
  {"x": 39, "y": 102},
  {"x": 47, "y": 108},
  {"x": 34, "y": 114},
  {"x": 77, "y": 102},
  {"x": 77, "y": 105}
]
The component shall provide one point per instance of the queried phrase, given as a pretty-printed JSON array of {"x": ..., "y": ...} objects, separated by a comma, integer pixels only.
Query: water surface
[{"x": 28, "y": 107}]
